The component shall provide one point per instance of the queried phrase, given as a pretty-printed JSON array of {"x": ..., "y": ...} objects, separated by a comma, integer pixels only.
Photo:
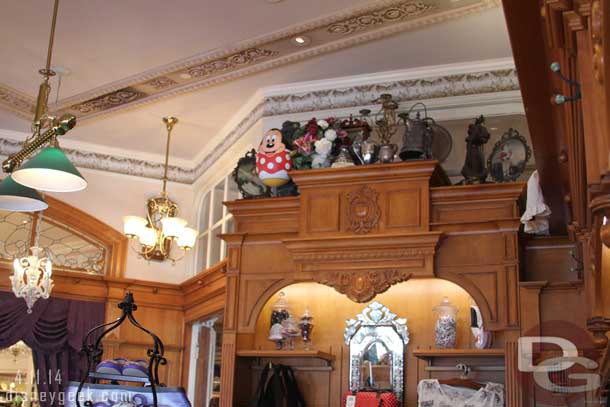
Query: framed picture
[
  {"x": 357, "y": 129},
  {"x": 509, "y": 157},
  {"x": 248, "y": 182}
]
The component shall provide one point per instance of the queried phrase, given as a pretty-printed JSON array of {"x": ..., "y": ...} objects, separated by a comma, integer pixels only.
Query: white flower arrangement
[
  {"x": 323, "y": 146},
  {"x": 323, "y": 124},
  {"x": 330, "y": 135}
]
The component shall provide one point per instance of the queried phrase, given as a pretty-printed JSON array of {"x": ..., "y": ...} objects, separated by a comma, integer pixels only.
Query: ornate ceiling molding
[
  {"x": 399, "y": 12},
  {"x": 442, "y": 86},
  {"x": 111, "y": 163},
  {"x": 342, "y": 30},
  {"x": 474, "y": 83},
  {"x": 16, "y": 102}
]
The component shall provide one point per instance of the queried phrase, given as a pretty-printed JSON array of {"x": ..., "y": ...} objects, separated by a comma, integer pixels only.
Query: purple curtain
[{"x": 55, "y": 331}]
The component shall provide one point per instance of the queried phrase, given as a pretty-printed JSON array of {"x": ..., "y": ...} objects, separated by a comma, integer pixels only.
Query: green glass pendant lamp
[
  {"x": 18, "y": 198},
  {"x": 49, "y": 170}
]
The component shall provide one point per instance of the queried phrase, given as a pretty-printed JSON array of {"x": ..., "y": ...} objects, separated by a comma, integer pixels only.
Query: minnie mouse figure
[{"x": 273, "y": 160}]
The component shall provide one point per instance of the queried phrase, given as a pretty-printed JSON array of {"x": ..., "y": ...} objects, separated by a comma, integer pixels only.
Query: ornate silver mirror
[{"x": 377, "y": 340}]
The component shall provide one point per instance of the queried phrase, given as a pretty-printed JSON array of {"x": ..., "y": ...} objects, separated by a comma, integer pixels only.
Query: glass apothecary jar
[
  {"x": 280, "y": 310},
  {"x": 445, "y": 328}
]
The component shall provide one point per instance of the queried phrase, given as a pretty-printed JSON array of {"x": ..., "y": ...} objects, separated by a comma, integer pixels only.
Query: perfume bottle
[{"x": 306, "y": 326}]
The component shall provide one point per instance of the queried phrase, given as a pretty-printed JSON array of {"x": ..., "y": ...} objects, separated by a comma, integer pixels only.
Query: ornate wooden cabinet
[{"x": 361, "y": 230}]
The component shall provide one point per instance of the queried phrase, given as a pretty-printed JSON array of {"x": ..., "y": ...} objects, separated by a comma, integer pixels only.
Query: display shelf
[
  {"x": 457, "y": 353},
  {"x": 316, "y": 354}
]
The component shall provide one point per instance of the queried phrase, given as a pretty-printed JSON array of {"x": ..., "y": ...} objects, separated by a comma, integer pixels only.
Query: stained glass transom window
[{"x": 68, "y": 249}]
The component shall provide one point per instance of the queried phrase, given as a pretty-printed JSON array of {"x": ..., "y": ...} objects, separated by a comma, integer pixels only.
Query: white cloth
[
  {"x": 430, "y": 393},
  {"x": 535, "y": 217}
]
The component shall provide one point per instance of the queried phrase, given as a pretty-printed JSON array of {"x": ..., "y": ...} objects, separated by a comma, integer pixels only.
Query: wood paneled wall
[{"x": 166, "y": 309}]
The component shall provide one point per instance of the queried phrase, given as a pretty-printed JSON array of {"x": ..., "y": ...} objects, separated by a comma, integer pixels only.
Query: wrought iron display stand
[{"x": 94, "y": 350}]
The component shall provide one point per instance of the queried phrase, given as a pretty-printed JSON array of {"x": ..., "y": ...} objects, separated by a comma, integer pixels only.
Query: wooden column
[
  {"x": 513, "y": 385},
  {"x": 229, "y": 339}
]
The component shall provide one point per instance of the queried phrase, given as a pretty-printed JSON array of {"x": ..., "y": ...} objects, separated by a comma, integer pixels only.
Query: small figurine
[
  {"x": 474, "y": 169},
  {"x": 273, "y": 160}
]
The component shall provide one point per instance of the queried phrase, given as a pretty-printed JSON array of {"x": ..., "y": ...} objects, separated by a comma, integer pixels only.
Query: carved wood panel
[
  {"x": 362, "y": 286},
  {"x": 377, "y": 199},
  {"x": 362, "y": 208}
]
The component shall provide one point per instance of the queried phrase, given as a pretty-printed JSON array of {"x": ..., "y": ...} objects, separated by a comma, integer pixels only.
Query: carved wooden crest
[
  {"x": 362, "y": 286},
  {"x": 363, "y": 210}
]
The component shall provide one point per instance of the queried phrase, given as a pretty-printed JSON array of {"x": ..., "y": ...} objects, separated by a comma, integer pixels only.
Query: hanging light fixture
[
  {"x": 161, "y": 229},
  {"x": 50, "y": 170},
  {"x": 18, "y": 198},
  {"x": 31, "y": 277}
]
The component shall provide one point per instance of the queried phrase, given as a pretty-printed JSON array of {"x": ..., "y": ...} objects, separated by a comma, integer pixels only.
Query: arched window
[
  {"x": 75, "y": 241},
  {"x": 214, "y": 219}
]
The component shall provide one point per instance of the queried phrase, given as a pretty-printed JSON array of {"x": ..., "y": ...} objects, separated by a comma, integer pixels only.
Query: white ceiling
[{"x": 107, "y": 41}]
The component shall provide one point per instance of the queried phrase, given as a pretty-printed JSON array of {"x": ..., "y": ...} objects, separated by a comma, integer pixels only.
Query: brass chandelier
[{"x": 161, "y": 228}]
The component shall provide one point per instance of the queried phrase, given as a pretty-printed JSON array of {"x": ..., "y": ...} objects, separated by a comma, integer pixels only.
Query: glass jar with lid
[
  {"x": 280, "y": 310},
  {"x": 445, "y": 328}
]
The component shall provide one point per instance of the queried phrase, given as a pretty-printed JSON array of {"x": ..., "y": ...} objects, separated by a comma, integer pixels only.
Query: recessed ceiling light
[
  {"x": 185, "y": 76},
  {"x": 301, "y": 41}
]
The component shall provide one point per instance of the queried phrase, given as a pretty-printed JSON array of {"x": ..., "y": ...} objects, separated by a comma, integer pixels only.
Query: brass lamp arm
[{"x": 66, "y": 123}]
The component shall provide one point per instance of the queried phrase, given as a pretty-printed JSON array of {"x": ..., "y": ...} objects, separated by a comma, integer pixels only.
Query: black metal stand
[{"x": 94, "y": 351}]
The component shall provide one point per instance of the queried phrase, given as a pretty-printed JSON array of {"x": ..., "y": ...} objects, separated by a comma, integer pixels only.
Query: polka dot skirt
[{"x": 273, "y": 163}]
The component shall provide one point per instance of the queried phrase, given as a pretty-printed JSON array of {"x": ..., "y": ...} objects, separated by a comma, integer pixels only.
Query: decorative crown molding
[
  {"x": 334, "y": 32},
  {"x": 407, "y": 90},
  {"x": 399, "y": 12},
  {"x": 16, "y": 102},
  {"x": 275, "y": 101},
  {"x": 111, "y": 163}
]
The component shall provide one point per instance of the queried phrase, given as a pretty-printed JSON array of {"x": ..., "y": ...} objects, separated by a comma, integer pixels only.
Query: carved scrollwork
[
  {"x": 362, "y": 286},
  {"x": 161, "y": 82},
  {"x": 109, "y": 101},
  {"x": 363, "y": 211},
  {"x": 234, "y": 61},
  {"x": 387, "y": 15}
]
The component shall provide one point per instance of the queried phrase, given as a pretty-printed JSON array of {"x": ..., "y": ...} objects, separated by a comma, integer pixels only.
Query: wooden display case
[{"x": 354, "y": 234}]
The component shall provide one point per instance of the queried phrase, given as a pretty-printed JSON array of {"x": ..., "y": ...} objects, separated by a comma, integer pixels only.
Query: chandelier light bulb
[
  {"x": 187, "y": 238},
  {"x": 133, "y": 225},
  {"x": 172, "y": 227},
  {"x": 148, "y": 237},
  {"x": 31, "y": 279}
]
